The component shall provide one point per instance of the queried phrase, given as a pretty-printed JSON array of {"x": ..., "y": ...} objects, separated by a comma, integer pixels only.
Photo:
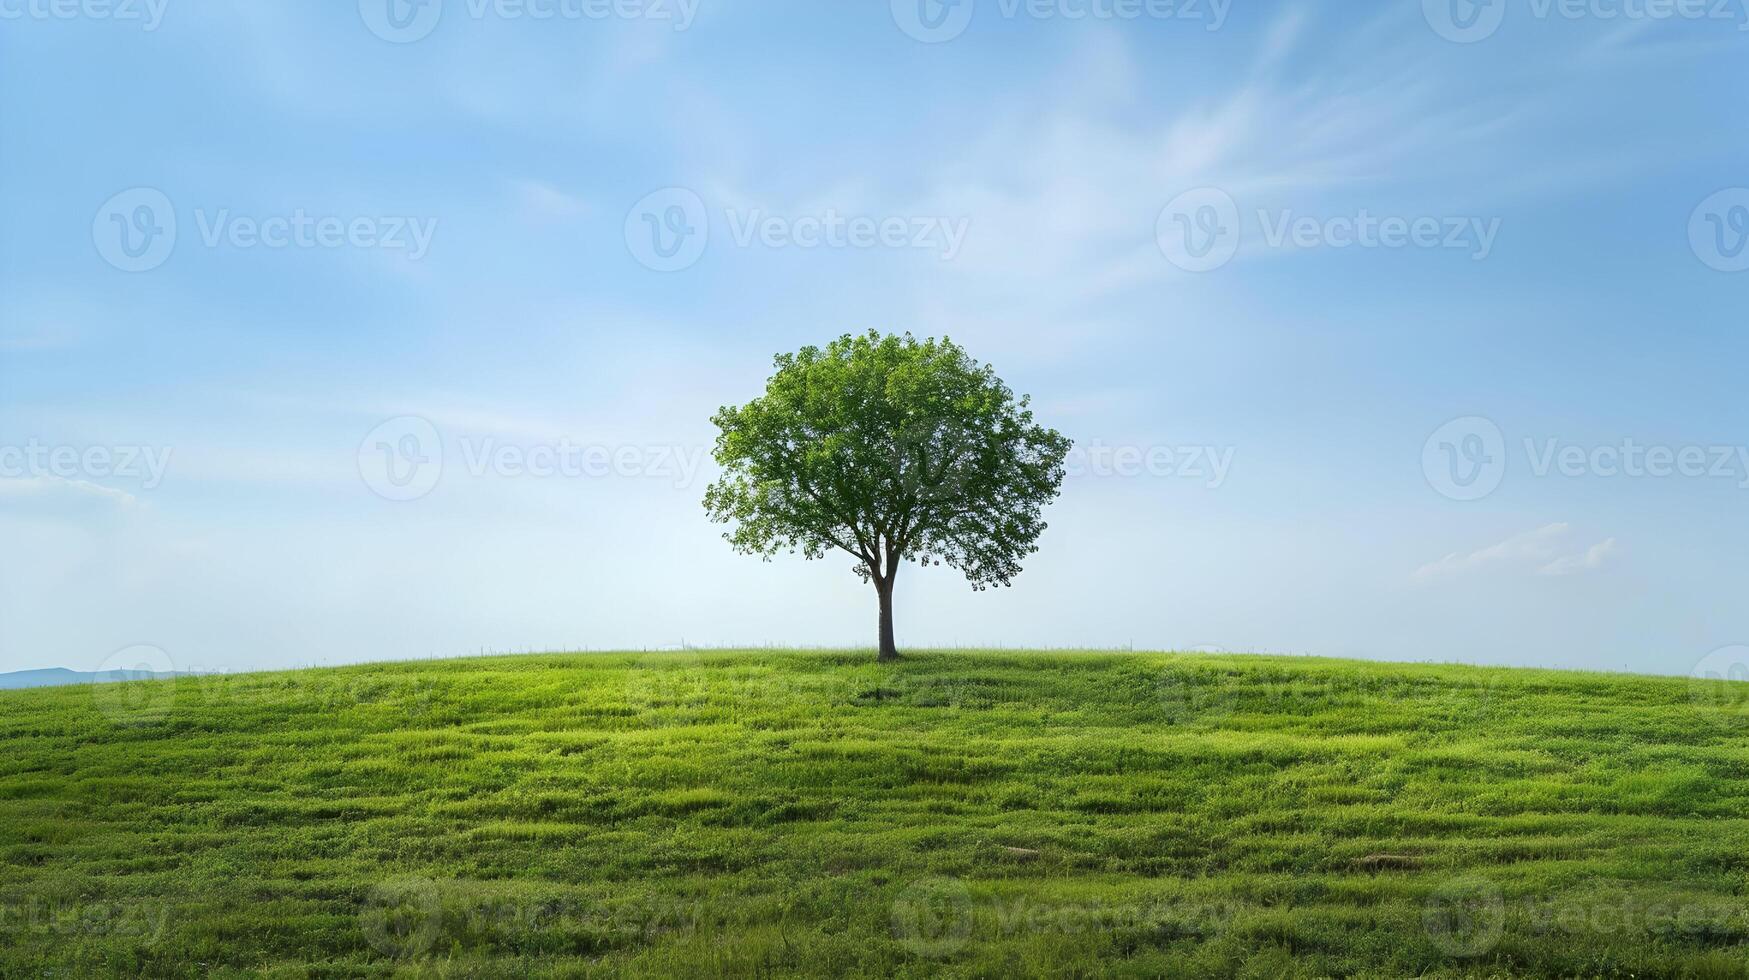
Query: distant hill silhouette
[{"x": 56, "y": 676}]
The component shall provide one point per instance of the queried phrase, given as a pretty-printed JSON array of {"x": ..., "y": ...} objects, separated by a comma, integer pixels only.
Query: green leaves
[{"x": 887, "y": 448}]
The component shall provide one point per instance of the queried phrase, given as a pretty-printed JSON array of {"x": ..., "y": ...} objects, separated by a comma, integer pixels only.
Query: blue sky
[{"x": 463, "y": 215}]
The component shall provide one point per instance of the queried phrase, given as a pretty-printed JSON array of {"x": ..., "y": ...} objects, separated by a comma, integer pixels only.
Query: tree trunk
[{"x": 888, "y": 650}]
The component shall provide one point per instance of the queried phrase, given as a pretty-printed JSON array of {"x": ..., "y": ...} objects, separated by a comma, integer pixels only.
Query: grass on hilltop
[{"x": 972, "y": 814}]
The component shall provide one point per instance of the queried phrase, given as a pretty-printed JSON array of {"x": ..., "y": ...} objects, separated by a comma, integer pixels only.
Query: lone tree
[{"x": 888, "y": 448}]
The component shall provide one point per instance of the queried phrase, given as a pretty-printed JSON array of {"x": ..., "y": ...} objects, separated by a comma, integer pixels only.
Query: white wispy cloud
[
  {"x": 1064, "y": 188},
  {"x": 541, "y": 200},
  {"x": 39, "y": 487},
  {"x": 38, "y": 338},
  {"x": 1593, "y": 558},
  {"x": 1544, "y": 550}
]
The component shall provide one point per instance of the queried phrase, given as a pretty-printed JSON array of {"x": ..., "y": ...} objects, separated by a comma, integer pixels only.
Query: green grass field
[{"x": 956, "y": 814}]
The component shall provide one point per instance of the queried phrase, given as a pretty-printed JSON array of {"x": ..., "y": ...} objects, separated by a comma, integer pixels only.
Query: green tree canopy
[{"x": 889, "y": 449}]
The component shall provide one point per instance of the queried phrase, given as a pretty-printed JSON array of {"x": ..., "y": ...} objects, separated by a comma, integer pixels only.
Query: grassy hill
[{"x": 977, "y": 814}]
